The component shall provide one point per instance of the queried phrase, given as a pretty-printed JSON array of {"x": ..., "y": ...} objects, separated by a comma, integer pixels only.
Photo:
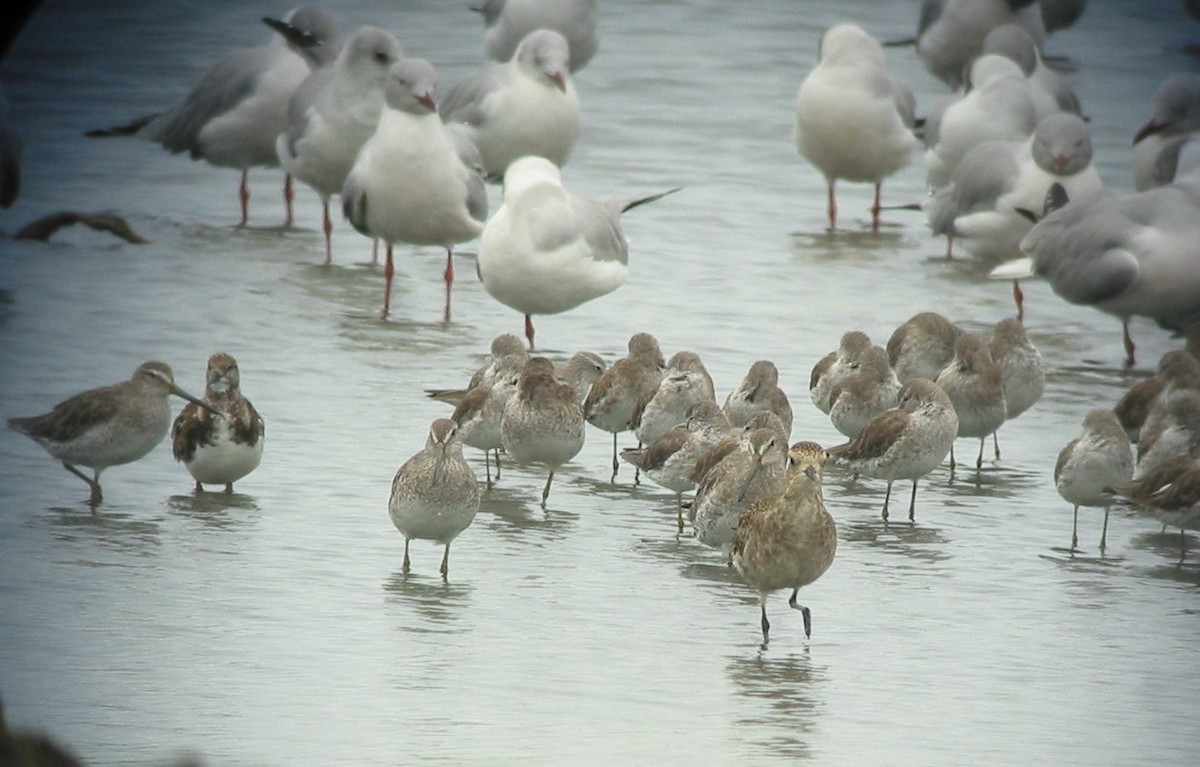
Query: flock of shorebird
[{"x": 1010, "y": 169}]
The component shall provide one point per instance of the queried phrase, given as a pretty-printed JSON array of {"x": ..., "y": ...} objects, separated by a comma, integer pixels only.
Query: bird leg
[
  {"x": 244, "y": 197},
  {"x": 949, "y": 247},
  {"x": 228, "y": 488},
  {"x": 952, "y": 463},
  {"x": 679, "y": 509},
  {"x": 1104, "y": 531},
  {"x": 529, "y": 329},
  {"x": 289, "y": 196},
  {"x": 996, "y": 443},
  {"x": 831, "y": 207},
  {"x": 389, "y": 269},
  {"x": 497, "y": 464},
  {"x": 615, "y": 463},
  {"x": 1075, "y": 529},
  {"x": 979, "y": 460},
  {"x": 1129, "y": 347},
  {"x": 487, "y": 468},
  {"x": 448, "y": 276},
  {"x": 804, "y": 613},
  {"x": 912, "y": 504},
  {"x": 766, "y": 624},
  {"x": 637, "y": 470},
  {"x": 93, "y": 484},
  {"x": 546, "y": 489},
  {"x": 1019, "y": 297},
  {"x": 886, "y": 497},
  {"x": 445, "y": 568},
  {"x": 327, "y": 227},
  {"x": 875, "y": 208},
  {"x": 404, "y": 568}
]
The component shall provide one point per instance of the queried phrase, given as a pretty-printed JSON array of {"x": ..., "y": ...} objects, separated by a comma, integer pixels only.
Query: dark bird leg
[
  {"x": 912, "y": 504},
  {"x": 546, "y": 489},
  {"x": 766, "y": 624},
  {"x": 289, "y": 196},
  {"x": 244, "y": 197},
  {"x": 1075, "y": 529},
  {"x": 831, "y": 206},
  {"x": 448, "y": 276},
  {"x": 389, "y": 269},
  {"x": 93, "y": 483},
  {"x": 404, "y": 568},
  {"x": 875, "y": 208},
  {"x": 327, "y": 227},
  {"x": 887, "y": 497},
  {"x": 1104, "y": 531},
  {"x": 1129, "y": 346},
  {"x": 804, "y": 613}
]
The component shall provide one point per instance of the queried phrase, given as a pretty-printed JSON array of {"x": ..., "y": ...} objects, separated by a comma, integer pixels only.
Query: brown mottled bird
[
  {"x": 219, "y": 448},
  {"x": 788, "y": 540}
]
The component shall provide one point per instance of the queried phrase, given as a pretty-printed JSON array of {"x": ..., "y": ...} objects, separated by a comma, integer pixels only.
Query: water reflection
[
  {"x": 779, "y": 701},
  {"x": 111, "y": 528},
  {"x": 920, "y": 543},
  {"x": 440, "y": 604},
  {"x": 514, "y": 513},
  {"x": 217, "y": 510}
]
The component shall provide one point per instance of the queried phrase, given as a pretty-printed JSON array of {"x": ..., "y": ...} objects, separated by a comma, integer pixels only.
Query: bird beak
[
  {"x": 749, "y": 478},
  {"x": 428, "y": 100},
  {"x": 439, "y": 467},
  {"x": 560, "y": 80},
  {"x": 292, "y": 34},
  {"x": 195, "y": 401},
  {"x": 1149, "y": 129}
]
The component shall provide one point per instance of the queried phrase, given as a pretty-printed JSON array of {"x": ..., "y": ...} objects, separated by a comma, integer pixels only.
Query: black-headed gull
[
  {"x": 1176, "y": 118},
  {"x": 853, "y": 120},
  {"x": 415, "y": 180},
  {"x": 525, "y": 106},
  {"x": 332, "y": 114},
  {"x": 507, "y": 22},
  {"x": 547, "y": 250}
]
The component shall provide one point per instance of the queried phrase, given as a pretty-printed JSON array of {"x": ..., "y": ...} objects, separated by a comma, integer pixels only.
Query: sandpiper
[
  {"x": 108, "y": 426},
  {"x": 542, "y": 422},
  {"x": 1142, "y": 409},
  {"x": 1171, "y": 493},
  {"x": 478, "y": 412},
  {"x": 668, "y": 407},
  {"x": 906, "y": 442},
  {"x": 759, "y": 390},
  {"x": 788, "y": 540},
  {"x": 1175, "y": 433},
  {"x": 1021, "y": 369},
  {"x": 615, "y": 395},
  {"x": 435, "y": 494},
  {"x": 763, "y": 419},
  {"x": 581, "y": 370},
  {"x": 922, "y": 346},
  {"x": 503, "y": 346},
  {"x": 833, "y": 367},
  {"x": 670, "y": 459},
  {"x": 219, "y": 449},
  {"x": 753, "y": 471},
  {"x": 865, "y": 393},
  {"x": 973, "y": 383},
  {"x": 1092, "y": 462}
]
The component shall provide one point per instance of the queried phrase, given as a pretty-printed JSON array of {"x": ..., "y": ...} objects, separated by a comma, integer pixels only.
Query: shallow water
[{"x": 275, "y": 627}]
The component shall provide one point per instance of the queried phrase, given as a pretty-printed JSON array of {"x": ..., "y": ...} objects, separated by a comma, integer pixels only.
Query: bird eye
[{"x": 381, "y": 57}]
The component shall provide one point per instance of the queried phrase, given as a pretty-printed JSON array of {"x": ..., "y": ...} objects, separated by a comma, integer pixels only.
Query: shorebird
[
  {"x": 502, "y": 346},
  {"x": 108, "y": 426},
  {"x": 434, "y": 494},
  {"x": 669, "y": 405},
  {"x": 854, "y": 121},
  {"x": 1171, "y": 493},
  {"x": 542, "y": 422},
  {"x": 546, "y": 250},
  {"x": 414, "y": 180},
  {"x": 581, "y": 370},
  {"x": 219, "y": 449},
  {"x": 865, "y": 393},
  {"x": 835, "y": 366},
  {"x": 234, "y": 113},
  {"x": 333, "y": 113},
  {"x": 759, "y": 390},
  {"x": 788, "y": 540},
  {"x": 1176, "y": 432},
  {"x": 525, "y": 106},
  {"x": 922, "y": 346},
  {"x": 671, "y": 459},
  {"x": 478, "y": 411},
  {"x": 1021, "y": 370},
  {"x": 754, "y": 470},
  {"x": 906, "y": 442},
  {"x": 1090, "y": 464},
  {"x": 507, "y": 22},
  {"x": 973, "y": 382},
  {"x": 615, "y": 395},
  {"x": 1143, "y": 406}
]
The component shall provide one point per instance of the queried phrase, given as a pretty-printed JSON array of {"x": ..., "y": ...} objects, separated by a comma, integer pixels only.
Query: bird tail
[
  {"x": 1017, "y": 269},
  {"x": 650, "y": 198},
  {"x": 129, "y": 129}
]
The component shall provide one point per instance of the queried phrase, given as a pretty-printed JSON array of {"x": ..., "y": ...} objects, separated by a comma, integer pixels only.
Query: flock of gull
[{"x": 1011, "y": 180}]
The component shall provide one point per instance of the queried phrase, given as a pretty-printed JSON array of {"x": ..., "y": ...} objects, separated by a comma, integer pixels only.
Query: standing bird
[
  {"x": 833, "y": 368},
  {"x": 905, "y": 442},
  {"x": 232, "y": 116},
  {"x": 413, "y": 181},
  {"x": 1021, "y": 368},
  {"x": 863, "y": 394},
  {"x": 219, "y": 448},
  {"x": 973, "y": 382},
  {"x": 1171, "y": 493},
  {"x": 333, "y": 113},
  {"x": 922, "y": 345},
  {"x": 547, "y": 250},
  {"x": 853, "y": 120},
  {"x": 1175, "y": 120},
  {"x": 542, "y": 422},
  {"x": 108, "y": 426},
  {"x": 1090, "y": 464},
  {"x": 788, "y": 540},
  {"x": 759, "y": 390},
  {"x": 434, "y": 494},
  {"x": 754, "y": 470},
  {"x": 616, "y": 394},
  {"x": 507, "y": 22},
  {"x": 527, "y": 106},
  {"x": 951, "y": 33}
]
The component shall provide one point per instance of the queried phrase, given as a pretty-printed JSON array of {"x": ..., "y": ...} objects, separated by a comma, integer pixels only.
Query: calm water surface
[{"x": 274, "y": 626}]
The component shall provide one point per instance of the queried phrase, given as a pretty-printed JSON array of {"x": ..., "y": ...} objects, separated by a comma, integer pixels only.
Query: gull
[
  {"x": 1090, "y": 464},
  {"x": 414, "y": 181},
  {"x": 905, "y": 442},
  {"x": 614, "y": 397},
  {"x": 542, "y": 422},
  {"x": 999, "y": 107},
  {"x": 1051, "y": 93},
  {"x": 546, "y": 249},
  {"x": 435, "y": 495},
  {"x": 853, "y": 120},
  {"x": 1124, "y": 255},
  {"x": 233, "y": 115},
  {"x": 219, "y": 448},
  {"x": 507, "y": 22},
  {"x": 759, "y": 390},
  {"x": 1175, "y": 119},
  {"x": 986, "y": 202},
  {"x": 527, "y": 106},
  {"x": 921, "y": 346},
  {"x": 333, "y": 113},
  {"x": 108, "y": 426},
  {"x": 950, "y": 33},
  {"x": 973, "y": 382},
  {"x": 788, "y": 540}
]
